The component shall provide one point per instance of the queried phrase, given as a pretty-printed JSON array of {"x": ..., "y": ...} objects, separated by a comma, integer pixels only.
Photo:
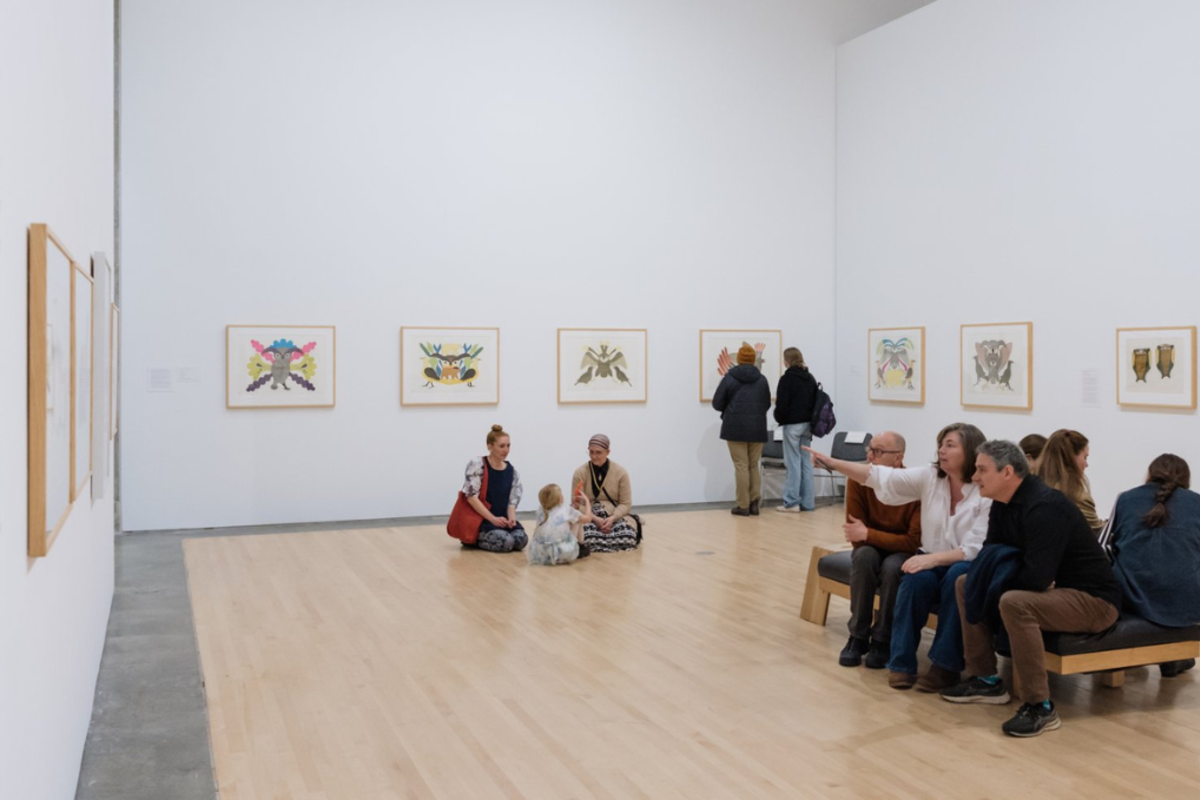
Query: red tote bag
[{"x": 465, "y": 521}]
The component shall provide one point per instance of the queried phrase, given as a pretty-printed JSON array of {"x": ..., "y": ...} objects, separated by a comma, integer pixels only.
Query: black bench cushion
[
  {"x": 836, "y": 567},
  {"x": 1129, "y": 631}
]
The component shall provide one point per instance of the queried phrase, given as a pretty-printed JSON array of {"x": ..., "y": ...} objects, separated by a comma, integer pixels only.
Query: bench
[{"x": 1131, "y": 642}]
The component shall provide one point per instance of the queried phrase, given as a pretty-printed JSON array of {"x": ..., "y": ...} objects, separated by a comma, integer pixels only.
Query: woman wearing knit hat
[
  {"x": 744, "y": 398},
  {"x": 605, "y": 485}
]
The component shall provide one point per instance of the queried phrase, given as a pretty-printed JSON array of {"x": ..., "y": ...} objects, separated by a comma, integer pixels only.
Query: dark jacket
[
  {"x": 1056, "y": 543},
  {"x": 796, "y": 396},
  {"x": 1158, "y": 568},
  {"x": 743, "y": 398},
  {"x": 989, "y": 577}
]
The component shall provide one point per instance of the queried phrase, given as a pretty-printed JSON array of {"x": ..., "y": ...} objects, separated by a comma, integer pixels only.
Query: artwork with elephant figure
[
  {"x": 449, "y": 366},
  {"x": 896, "y": 358},
  {"x": 280, "y": 366},
  {"x": 718, "y": 354},
  {"x": 1156, "y": 367},
  {"x": 996, "y": 365},
  {"x": 601, "y": 365}
]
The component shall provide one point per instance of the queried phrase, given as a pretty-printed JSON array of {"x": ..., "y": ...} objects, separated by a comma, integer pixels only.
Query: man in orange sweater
[{"x": 883, "y": 538}]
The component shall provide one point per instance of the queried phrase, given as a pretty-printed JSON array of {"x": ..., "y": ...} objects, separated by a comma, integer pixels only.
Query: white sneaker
[{"x": 788, "y": 510}]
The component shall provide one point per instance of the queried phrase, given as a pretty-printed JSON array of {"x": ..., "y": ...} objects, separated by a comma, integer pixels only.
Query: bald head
[{"x": 886, "y": 449}]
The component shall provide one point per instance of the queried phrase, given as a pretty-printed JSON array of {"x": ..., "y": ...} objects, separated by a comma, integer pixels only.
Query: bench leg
[
  {"x": 815, "y": 607},
  {"x": 1114, "y": 679}
]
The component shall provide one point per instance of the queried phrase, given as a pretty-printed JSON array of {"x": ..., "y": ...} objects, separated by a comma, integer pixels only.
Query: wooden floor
[{"x": 389, "y": 663}]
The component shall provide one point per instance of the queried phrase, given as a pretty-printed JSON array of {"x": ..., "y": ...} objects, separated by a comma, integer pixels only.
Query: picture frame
[
  {"x": 50, "y": 389},
  {"x": 996, "y": 365},
  {"x": 102, "y": 293},
  {"x": 602, "y": 365},
  {"x": 896, "y": 360},
  {"x": 718, "y": 352},
  {"x": 114, "y": 369},
  {"x": 1156, "y": 367},
  {"x": 443, "y": 366},
  {"x": 82, "y": 356},
  {"x": 254, "y": 378}
]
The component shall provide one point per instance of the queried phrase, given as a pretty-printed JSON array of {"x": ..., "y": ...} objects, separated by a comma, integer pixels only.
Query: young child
[{"x": 558, "y": 538}]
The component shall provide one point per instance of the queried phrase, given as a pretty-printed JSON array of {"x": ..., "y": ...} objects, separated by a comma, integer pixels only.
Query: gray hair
[{"x": 1005, "y": 454}]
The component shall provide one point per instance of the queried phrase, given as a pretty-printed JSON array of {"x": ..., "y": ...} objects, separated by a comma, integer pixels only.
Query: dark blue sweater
[{"x": 1158, "y": 568}]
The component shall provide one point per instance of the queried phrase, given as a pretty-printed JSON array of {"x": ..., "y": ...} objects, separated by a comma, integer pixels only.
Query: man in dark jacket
[
  {"x": 1064, "y": 583},
  {"x": 744, "y": 398}
]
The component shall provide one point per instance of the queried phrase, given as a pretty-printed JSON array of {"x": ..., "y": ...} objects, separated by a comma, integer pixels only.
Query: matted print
[
  {"x": 81, "y": 385},
  {"x": 718, "y": 353},
  {"x": 449, "y": 366},
  {"x": 280, "y": 366},
  {"x": 601, "y": 365},
  {"x": 1156, "y": 367},
  {"x": 897, "y": 365},
  {"x": 996, "y": 365}
]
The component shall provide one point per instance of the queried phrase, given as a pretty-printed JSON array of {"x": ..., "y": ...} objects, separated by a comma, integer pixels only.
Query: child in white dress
[{"x": 558, "y": 538}]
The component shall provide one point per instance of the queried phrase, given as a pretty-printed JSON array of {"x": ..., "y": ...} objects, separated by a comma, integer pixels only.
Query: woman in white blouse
[{"x": 954, "y": 520}]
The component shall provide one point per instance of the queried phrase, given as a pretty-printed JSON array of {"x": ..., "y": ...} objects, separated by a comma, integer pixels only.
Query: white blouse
[{"x": 940, "y": 531}]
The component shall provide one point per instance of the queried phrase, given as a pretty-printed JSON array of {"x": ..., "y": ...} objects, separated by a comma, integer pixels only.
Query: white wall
[
  {"x": 529, "y": 165},
  {"x": 56, "y": 166},
  {"x": 1013, "y": 160}
]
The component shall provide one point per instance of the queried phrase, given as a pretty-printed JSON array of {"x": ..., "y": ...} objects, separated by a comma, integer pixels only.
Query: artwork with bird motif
[
  {"x": 280, "y": 366},
  {"x": 598, "y": 365},
  {"x": 449, "y": 366},
  {"x": 996, "y": 365},
  {"x": 718, "y": 354},
  {"x": 896, "y": 360},
  {"x": 1156, "y": 367}
]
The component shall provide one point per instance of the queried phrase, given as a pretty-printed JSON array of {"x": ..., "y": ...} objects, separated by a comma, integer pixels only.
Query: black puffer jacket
[
  {"x": 796, "y": 396},
  {"x": 743, "y": 398}
]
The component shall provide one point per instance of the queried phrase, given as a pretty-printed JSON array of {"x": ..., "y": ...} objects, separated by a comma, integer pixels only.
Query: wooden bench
[{"x": 1131, "y": 642}]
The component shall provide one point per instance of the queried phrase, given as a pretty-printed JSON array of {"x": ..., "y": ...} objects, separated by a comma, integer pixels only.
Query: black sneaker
[
  {"x": 852, "y": 653},
  {"x": 1031, "y": 719},
  {"x": 878, "y": 654},
  {"x": 1170, "y": 669},
  {"x": 584, "y": 550},
  {"x": 977, "y": 690}
]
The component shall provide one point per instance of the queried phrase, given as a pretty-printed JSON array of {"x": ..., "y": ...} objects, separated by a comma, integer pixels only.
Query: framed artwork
[
  {"x": 280, "y": 366},
  {"x": 1156, "y": 367},
  {"x": 996, "y": 365},
  {"x": 897, "y": 365},
  {"x": 449, "y": 366},
  {"x": 114, "y": 367},
  {"x": 50, "y": 398},
  {"x": 718, "y": 352},
  {"x": 81, "y": 383},
  {"x": 601, "y": 365}
]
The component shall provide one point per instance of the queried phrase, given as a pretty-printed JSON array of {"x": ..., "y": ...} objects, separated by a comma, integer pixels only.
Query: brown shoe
[
  {"x": 754, "y": 508},
  {"x": 739, "y": 512},
  {"x": 901, "y": 680},
  {"x": 938, "y": 679}
]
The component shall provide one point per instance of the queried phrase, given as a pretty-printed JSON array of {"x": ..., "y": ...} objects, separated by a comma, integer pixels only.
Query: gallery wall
[
  {"x": 529, "y": 166},
  {"x": 56, "y": 166},
  {"x": 1022, "y": 160}
]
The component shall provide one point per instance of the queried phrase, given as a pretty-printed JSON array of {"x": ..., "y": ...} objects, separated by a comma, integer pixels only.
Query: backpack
[{"x": 823, "y": 418}]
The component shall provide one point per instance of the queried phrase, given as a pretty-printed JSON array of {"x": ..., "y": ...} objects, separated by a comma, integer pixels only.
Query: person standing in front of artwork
[
  {"x": 744, "y": 398},
  {"x": 604, "y": 485},
  {"x": 794, "y": 400},
  {"x": 500, "y": 532}
]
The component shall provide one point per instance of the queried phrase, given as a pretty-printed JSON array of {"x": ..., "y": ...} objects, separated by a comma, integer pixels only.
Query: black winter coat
[
  {"x": 743, "y": 398},
  {"x": 796, "y": 396}
]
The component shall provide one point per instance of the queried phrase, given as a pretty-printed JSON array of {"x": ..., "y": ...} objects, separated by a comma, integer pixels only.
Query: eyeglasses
[{"x": 879, "y": 451}]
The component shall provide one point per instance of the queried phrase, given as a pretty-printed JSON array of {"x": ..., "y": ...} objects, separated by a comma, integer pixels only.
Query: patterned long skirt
[{"x": 622, "y": 535}]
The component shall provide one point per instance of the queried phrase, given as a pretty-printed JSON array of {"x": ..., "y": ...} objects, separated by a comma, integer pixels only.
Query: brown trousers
[
  {"x": 1025, "y": 616},
  {"x": 748, "y": 477}
]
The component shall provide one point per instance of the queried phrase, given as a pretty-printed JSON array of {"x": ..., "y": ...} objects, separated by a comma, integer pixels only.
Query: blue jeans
[
  {"x": 921, "y": 593},
  {"x": 798, "y": 488}
]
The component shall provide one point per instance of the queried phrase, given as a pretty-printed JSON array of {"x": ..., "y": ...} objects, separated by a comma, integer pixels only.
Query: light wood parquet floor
[{"x": 389, "y": 663}]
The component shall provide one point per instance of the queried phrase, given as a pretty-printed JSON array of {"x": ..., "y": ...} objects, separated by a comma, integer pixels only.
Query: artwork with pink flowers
[
  {"x": 280, "y": 366},
  {"x": 718, "y": 353}
]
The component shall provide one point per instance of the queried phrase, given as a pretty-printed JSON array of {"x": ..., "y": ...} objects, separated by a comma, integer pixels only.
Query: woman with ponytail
[
  {"x": 1155, "y": 542},
  {"x": 1061, "y": 466}
]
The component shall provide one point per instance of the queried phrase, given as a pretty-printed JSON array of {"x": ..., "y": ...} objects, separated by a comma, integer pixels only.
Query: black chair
[{"x": 845, "y": 452}]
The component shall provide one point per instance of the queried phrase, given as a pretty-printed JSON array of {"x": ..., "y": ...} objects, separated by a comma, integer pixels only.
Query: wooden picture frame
[
  {"x": 449, "y": 366},
  {"x": 82, "y": 356},
  {"x": 718, "y": 352},
  {"x": 1156, "y": 367},
  {"x": 602, "y": 365},
  {"x": 896, "y": 365},
  {"x": 255, "y": 380},
  {"x": 996, "y": 365},
  {"x": 50, "y": 388}
]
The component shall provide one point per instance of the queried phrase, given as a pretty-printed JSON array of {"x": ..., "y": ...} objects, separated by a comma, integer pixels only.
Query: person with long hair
[
  {"x": 1061, "y": 466},
  {"x": 794, "y": 400},
  {"x": 1032, "y": 446},
  {"x": 954, "y": 520},
  {"x": 1154, "y": 539}
]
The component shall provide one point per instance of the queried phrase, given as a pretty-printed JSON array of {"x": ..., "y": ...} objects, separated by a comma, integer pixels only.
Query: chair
[
  {"x": 772, "y": 456},
  {"x": 845, "y": 452}
]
